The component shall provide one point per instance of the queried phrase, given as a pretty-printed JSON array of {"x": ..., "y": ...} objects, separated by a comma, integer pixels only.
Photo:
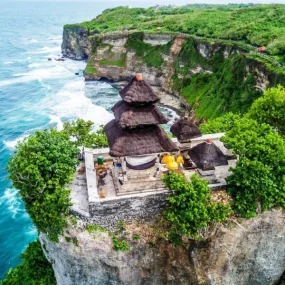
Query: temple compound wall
[{"x": 108, "y": 212}]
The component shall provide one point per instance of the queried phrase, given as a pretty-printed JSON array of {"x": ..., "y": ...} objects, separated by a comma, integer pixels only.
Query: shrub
[
  {"x": 41, "y": 167},
  {"x": 191, "y": 208},
  {"x": 84, "y": 136},
  {"x": 34, "y": 269},
  {"x": 257, "y": 182},
  {"x": 120, "y": 244},
  {"x": 270, "y": 109},
  {"x": 220, "y": 124}
]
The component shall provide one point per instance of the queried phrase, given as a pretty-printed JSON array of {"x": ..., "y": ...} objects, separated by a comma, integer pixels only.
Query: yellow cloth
[
  {"x": 180, "y": 159},
  {"x": 171, "y": 163},
  {"x": 166, "y": 158}
]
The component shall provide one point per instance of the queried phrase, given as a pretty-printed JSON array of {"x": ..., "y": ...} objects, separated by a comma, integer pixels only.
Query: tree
[
  {"x": 41, "y": 167},
  {"x": 220, "y": 124},
  {"x": 34, "y": 270},
  {"x": 270, "y": 109},
  {"x": 258, "y": 181},
  {"x": 82, "y": 132},
  {"x": 190, "y": 206}
]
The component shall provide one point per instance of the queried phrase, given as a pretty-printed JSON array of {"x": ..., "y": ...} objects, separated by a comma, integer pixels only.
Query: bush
[
  {"x": 82, "y": 132},
  {"x": 120, "y": 244},
  {"x": 257, "y": 182},
  {"x": 34, "y": 270},
  {"x": 270, "y": 109},
  {"x": 220, "y": 124},
  {"x": 191, "y": 208},
  {"x": 41, "y": 167}
]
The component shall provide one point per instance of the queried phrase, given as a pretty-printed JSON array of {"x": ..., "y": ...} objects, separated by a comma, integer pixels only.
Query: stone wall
[{"x": 108, "y": 213}]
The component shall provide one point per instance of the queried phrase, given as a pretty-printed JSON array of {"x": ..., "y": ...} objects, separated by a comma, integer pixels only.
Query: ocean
[{"x": 36, "y": 93}]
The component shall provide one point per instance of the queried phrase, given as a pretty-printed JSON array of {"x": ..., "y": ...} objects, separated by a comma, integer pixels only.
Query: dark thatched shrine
[
  {"x": 185, "y": 130},
  {"x": 132, "y": 116},
  {"x": 207, "y": 155},
  {"x": 137, "y": 141},
  {"x": 138, "y": 92},
  {"x": 135, "y": 129}
]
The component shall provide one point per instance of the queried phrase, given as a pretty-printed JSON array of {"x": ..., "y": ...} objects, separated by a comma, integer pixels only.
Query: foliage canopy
[
  {"x": 253, "y": 24},
  {"x": 191, "y": 208},
  {"x": 83, "y": 135},
  {"x": 258, "y": 181},
  {"x": 270, "y": 108},
  {"x": 34, "y": 269},
  {"x": 41, "y": 167}
]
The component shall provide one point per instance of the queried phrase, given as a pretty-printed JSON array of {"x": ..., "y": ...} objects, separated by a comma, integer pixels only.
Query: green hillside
[{"x": 257, "y": 25}]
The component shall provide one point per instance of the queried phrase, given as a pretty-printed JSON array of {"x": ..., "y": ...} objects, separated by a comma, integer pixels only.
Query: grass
[
  {"x": 90, "y": 69},
  {"x": 119, "y": 62},
  {"x": 244, "y": 23},
  {"x": 91, "y": 228}
]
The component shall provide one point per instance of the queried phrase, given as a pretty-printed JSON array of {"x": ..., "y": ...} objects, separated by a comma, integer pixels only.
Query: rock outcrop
[
  {"x": 233, "y": 75},
  {"x": 77, "y": 43},
  {"x": 244, "y": 252}
]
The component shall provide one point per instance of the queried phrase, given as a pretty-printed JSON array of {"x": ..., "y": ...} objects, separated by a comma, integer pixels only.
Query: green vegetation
[
  {"x": 41, "y": 167},
  {"x": 257, "y": 182},
  {"x": 136, "y": 237},
  {"x": 34, "y": 269},
  {"x": 120, "y": 244},
  {"x": 252, "y": 24},
  {"x": 72, "y": 239},
  {"x": 220, "y": 124},
  {"x": 224, "y": 86},
  {"x": 90, "y": 69},
  {"x": 270, "y": 109},
  {"x": 119, "y": 237},
  {"x": 119, "y": 62},
  {"x": 191, "y": 208},
  {"x": 82, "y": 132},
  {"x": 91, "y": 228},
  {"x": 151, "y": 55}
]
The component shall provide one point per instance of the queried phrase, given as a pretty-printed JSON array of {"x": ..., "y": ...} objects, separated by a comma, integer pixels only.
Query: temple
[
  {"x": 136, "y": 138},
  {"x": 124, "y": 181}
]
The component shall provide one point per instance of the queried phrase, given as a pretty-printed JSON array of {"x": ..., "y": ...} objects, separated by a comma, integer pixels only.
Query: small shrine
[{"x": 137, "y": 140}]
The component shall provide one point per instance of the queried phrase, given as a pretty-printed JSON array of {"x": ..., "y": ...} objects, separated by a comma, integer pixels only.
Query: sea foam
[
  {"x": 70, "y": 103},
  {"x": 12, "y": 200}
]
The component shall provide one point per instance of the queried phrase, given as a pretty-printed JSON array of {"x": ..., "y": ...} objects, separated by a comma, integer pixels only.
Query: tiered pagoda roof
[
  {"x": 135, "y": 129},
  {"x": 127, "y": 115},
  {"x": 138, "y": 92},
  {"x": 185, "y": 130}
]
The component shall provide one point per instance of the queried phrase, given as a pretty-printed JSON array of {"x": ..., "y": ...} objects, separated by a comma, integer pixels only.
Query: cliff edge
[{"x": 244, "y": 252}]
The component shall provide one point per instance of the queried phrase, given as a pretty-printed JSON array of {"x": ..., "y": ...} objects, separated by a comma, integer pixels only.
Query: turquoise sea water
[{"x": 35, "y": 94}]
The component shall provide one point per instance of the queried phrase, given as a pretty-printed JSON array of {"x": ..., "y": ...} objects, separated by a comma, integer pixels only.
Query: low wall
[{"x": 107, "y": 213}]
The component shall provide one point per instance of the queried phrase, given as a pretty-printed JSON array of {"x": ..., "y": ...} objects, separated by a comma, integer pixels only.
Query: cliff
[
  {"x": 248, "y": 252},
  {"x": 200, "y": 70}
]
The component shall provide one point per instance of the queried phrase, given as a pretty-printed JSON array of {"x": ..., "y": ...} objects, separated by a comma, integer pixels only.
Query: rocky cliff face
[
  {"x": 77, "y": 43},
  {"x": 248, "y": 252},
  {"x": 198, "y": 69}
]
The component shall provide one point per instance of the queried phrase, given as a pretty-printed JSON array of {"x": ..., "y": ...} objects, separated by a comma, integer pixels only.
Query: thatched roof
[
  {"x": 207, "y": 155},
  {"x": 130, "y": 116},
  {"x": 137, "y": 141},
  {"x": 138, "y": 92},
  {"x": 185, "y": 130}
]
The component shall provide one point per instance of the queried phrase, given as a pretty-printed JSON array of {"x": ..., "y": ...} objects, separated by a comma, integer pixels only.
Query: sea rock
[
  {"x": 76, "y": 43},
  {"x": 241, "y": 253}
]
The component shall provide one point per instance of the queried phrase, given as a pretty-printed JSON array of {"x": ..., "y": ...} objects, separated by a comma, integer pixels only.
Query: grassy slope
[
  {"x": 256, "y": 25},
  {"x": 227, "y": 88}
]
